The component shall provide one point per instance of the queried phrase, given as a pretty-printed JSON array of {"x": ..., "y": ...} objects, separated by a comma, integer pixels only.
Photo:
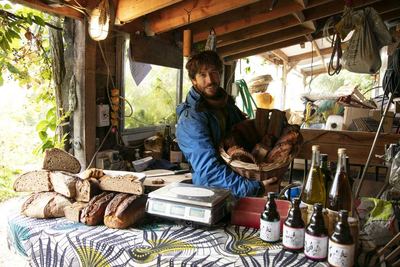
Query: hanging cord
[
  {"x": 335, "y": 67},
  {"x": 312, "y": 69},
  {"x": 247, "y": 99}
]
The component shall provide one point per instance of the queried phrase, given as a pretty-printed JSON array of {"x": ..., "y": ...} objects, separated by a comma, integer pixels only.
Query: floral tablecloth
[{"x": 59, "y": 242}]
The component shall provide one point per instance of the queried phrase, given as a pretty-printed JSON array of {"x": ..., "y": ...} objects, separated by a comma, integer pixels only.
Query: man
[{"x": 205, "y": 118}]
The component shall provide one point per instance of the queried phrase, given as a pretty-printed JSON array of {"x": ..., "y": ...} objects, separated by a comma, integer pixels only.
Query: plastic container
[
  {"x": 142, "y": 164},
  {"x": 334, "y": 122}
]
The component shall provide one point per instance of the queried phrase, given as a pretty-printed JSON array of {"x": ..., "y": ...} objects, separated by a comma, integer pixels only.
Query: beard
[{"x": 212, "y": 91}]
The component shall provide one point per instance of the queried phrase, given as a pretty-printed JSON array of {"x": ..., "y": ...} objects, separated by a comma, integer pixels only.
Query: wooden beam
[
  {"x": 300, "y": 57},
  {"x": 265, "y": 48},
  {"x": 299, "y": 16},
  {"x": 315, "y": 45},
  {"x": 302, "y": 2},
  {"x": 176, "y": 16},
  {"x": 315, "y": 72},
  {"x": 242, "y": 18},
  {"x": 390, "y": 15},
  {"x": 280, "y": 54},
  {"x": 257, "y": 30},
  {"x": 264, "y": 40},
  {"x": 128, "y": 10},
  {"x": 60, "y": 11}
]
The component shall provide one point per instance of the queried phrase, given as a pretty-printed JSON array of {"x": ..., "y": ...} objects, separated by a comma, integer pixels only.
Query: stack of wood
[
  {"x": 266, "y": 141},
  {"x": 91, "y": 198}
]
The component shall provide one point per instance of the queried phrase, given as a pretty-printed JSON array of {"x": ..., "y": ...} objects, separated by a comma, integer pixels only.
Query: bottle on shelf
[
  {"x": 326, "y": 172},
  {"x": 137, "y": 154},
  {"x": 316, "y": 236},
  {"x": 167, "y": 142},
  {"x": 341, "y": 248},
  {"x": 313, "y": 190},
  {"x": 340, "y": 195},
  {"x": 270, "y": 229},
  {"x": 293, "y": 229}
]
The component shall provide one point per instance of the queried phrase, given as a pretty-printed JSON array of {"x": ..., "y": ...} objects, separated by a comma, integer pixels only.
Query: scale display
[{"x": 188, "y": 202}]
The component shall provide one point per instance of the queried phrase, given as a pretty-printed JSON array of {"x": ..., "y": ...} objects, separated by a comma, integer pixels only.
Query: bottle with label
[
  {"x": 314, "y": 187},
  {"x": 316, "y": 236},
  {"x": 175, "y": 153},
  {"x": 270, "y": 229},
  {"x": 340, "y": 195},
  {"x": 167, "y": 142},
  {"x": 326, "y": 172},
  {"x": 341, "y": 248},
  {"x": 293, "y": 229}
]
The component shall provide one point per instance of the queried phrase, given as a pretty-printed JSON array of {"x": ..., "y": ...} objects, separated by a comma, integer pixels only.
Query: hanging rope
[{"x": 247, "y": 99}]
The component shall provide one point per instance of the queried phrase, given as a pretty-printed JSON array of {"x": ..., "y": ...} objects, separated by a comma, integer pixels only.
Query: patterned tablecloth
[{"x": 59, "y": 242}]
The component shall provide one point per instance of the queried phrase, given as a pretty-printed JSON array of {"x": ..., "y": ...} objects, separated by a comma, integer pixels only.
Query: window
[{"x": 151, "y": 102}]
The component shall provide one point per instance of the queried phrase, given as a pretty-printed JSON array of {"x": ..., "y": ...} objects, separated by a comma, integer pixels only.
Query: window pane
[{"x": 153, "y": 101}]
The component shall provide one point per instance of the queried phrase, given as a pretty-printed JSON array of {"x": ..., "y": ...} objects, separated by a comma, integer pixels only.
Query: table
[{"x": 59, "y": 242}]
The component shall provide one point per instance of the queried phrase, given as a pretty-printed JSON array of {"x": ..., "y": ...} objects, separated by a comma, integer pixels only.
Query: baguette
[
  {"x": 93, "y": 213},
  {"x": 86, "y": 189},
  {"x": 45, "y": 205},
  {"x": 33, "y": 181},
  {"x": 124, "y": 210},
  {"x": 123, "y": 184},
  {"x": 73, "y": 212},
  {"x": 59, "y": 160}
]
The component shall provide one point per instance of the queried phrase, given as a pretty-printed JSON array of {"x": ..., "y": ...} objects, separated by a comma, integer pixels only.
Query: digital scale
[{"x": 188, "y": 202}]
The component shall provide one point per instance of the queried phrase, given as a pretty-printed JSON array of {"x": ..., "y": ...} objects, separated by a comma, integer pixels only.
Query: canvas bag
[{"x": 370, "y": 35}]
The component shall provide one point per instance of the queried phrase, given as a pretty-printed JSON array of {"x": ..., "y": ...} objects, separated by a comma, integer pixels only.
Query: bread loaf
[
  {"x": 93, "y": 214},
  {"x": 124, "y": 210},
  {"x": 58, "y": 160},
  {"x": 45, "y": 205},
  {"x": 122, "y": 183},
  {"x": 64, "y": 183},
  {"x": 33, "y": 181},
  {"x": 87, "y": 189},
  {"x": 73, "y": 211},
  {"x": 92, "y": 173}
]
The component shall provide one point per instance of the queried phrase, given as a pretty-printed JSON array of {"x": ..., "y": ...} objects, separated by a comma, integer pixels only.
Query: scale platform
[{"x": 199, "y": 204}]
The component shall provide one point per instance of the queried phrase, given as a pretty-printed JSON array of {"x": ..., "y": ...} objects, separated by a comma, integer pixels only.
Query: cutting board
[{"x": 162, "y": 178}]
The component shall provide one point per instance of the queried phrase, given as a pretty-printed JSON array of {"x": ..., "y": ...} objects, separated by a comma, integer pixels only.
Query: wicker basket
[{"x": 256, "y": 172}]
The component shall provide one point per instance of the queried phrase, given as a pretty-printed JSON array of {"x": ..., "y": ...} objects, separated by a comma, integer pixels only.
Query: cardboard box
[
  {"x": 351, "y": 113},
  {"x": 387, "y": 123}
]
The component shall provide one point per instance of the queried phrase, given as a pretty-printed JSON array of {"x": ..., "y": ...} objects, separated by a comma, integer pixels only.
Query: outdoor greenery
[{"x": 27, "y": 114}]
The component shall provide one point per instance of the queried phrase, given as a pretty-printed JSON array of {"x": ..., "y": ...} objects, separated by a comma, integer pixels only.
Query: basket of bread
[{"x": 263, "y": 147}]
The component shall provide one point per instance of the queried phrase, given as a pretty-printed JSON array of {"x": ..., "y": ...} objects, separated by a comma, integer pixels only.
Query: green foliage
[
  {"x": 6, "y": 182},
  {"x": 329, "y": 84}
]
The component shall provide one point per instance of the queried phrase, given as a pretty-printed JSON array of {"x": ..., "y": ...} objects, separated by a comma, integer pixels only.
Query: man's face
[{"x": 207, "y": 81}]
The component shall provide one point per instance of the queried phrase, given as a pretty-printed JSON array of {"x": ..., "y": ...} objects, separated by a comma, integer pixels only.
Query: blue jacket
[{"x": 198, "y": 134}]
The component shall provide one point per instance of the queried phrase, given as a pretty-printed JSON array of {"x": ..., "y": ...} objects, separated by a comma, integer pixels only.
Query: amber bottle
[
  {"x": 316, "y": 236},
  {"x": 340, "y": 195},
  {"x": 341, "y": 246},
  {"x": 270, "y": 221},
  {"x": 293, "y": 229}
]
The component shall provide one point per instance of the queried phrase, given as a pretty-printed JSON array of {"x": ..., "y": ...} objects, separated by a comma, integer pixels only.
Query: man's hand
[{"x": 270, "y": 185}]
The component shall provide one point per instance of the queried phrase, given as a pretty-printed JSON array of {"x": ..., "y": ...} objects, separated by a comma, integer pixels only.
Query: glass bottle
[
  {"x": 314, "y": 187},
  {"x": 340, "y": 195},
  {"x": 326, "y": 172},
  {"x": 341, "y": 247},
  {"x": 293, "y": 229},
  {"x": 316, "y": 236},
  {"x": 270, "y": 229},
  {"x": 167, "y": 142}
]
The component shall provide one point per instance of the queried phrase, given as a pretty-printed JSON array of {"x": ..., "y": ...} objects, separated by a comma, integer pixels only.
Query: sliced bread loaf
[
  {"x": 64, "y": 183},
  {"x": 73, "y": 212},
  {"x": 45, "y": 205},
  {"x": 33, "y": 181},
  {"x": 56, "y": 159},
  {"x": 122, "y": 183},
  {"x": 87, "y": 189}
]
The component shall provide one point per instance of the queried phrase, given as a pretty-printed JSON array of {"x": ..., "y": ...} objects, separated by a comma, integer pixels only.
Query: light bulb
[{"x": 98, "y": 31}]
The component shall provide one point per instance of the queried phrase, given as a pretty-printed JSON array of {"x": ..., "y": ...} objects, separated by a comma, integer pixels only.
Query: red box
[{"x": 247, "y": 211}]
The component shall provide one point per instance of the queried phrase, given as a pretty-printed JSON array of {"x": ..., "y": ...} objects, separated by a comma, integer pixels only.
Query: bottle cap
[
  {"x": 315, "y": 148},
  {"x": 271, "y": 195},
  {"x": 324, "y": 157},
  {"x": 341, "y": 151}
]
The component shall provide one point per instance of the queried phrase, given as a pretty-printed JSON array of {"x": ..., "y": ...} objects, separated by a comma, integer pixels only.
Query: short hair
[{"x": 205, "y": 58}]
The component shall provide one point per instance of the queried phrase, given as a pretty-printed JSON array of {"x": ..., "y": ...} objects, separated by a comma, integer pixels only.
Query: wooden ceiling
[{"x": 243, "y": 27}]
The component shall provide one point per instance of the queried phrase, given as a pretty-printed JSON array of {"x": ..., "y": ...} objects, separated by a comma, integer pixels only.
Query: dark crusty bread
[
  {"x": 93, "y": 214},
  {"x": 73, "y": 211},
  {"x": 124, "y": 210},
  {"x": 33, "y": 181},
  {"x": 123, "y": 183},
  {"x": 43, "y": 180},
  {"x": 56, "y": 159},
  {"x": 87, "y": 189},
  {"x": 45, "y": 205}
]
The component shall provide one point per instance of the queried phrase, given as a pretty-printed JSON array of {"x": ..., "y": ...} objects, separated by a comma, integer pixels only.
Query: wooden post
[{"x": 187, "y": 42}]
